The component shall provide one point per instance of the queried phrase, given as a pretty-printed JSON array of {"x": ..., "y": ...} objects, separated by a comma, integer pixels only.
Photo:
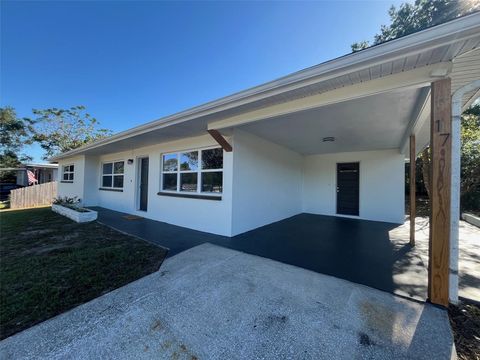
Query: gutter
[{"x": 439, "y": 35}]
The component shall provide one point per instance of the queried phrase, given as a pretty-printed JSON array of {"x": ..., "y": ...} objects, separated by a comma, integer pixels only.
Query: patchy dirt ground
[
  {"x": 50, "y": 264},
  {"x": 465, "y": 321}
]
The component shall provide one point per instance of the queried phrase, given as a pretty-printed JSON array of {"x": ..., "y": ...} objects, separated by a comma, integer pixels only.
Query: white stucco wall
[
  {"x": 262, "y": 181},
  {"x": 204, "y": 215},
  {"x": 267, "y": 182},
  {"x": 75, "y": 188},
  {"x": 382, "y": 188}
]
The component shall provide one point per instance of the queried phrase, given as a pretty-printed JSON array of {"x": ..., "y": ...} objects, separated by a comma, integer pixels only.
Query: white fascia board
[
  {"x": 453, "y": 31},
  {"x": 46, "y": 166},
  {"x": 414, "y": 78}
]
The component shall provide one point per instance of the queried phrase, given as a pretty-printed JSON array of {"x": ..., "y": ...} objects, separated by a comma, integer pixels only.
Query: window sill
[
  {"x": 190, "y": 196},
  {"x": 107, "y": 189},
  {"x": 66, "y": 181}
]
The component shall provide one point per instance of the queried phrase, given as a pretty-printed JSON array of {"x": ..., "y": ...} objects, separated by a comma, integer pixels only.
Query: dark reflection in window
[
  {"x": 212, "y": 159},
  {"x": 107, "y": 181},
  {"x": 118, "y": 181},
  {"x": 212, "y": 182},
  {"x": 170, "y": 182},
  {"x": 107, "y": 168},
  {"x": 118, "y": 167},
  {"x": 188, "y": 182}
]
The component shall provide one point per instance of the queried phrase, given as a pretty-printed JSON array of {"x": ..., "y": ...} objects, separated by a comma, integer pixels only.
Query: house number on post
[
  {"x": 446, "y": 135},
  {"x": 440, "y": 191}
]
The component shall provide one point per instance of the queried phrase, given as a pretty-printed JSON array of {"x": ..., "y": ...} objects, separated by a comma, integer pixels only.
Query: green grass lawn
[{"x": 49, "y": 264}]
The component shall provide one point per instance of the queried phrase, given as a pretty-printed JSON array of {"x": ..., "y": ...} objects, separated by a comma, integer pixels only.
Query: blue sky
[{"x": 133, "y": 62}]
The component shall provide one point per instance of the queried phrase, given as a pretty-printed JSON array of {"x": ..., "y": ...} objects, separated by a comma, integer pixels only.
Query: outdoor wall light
[
  {"x": 130, "y": 161},
  {"x": 328, "y": 138}
]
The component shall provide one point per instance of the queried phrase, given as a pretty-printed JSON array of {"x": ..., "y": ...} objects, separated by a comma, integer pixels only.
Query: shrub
[
  {"x": 69, "y": 202},
  {"x": 65, "y": 200}
]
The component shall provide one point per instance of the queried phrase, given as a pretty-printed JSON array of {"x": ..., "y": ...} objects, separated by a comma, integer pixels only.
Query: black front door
[
  {"x": 143, "y": 183},
  {"x": 348, "y": 175}
]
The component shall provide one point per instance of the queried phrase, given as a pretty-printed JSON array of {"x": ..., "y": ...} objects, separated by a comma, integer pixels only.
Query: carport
[
  {"x": 330, "y": 140},
  {"x": 372, "y": 253},
  {"x": 397, "y": 104},
  {"x": 405, "y": 97}
]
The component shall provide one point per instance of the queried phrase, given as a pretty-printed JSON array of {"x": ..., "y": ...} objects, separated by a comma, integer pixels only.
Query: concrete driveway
[
  {"x": 412, "y": 275},
  {"x": 211, "y": 302},
  {"x": 371, "y": 253}
]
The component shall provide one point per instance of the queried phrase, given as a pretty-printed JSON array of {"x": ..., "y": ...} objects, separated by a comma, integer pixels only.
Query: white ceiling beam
[
  {"x": 414, "y": 78},
  {"x": 415, "y": 118}
]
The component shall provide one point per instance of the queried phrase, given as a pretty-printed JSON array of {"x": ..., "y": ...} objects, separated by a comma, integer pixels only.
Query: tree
[
  {"x": 359, "y": 45},
  {"x": 470, "y": 159},
  {"x": 60, "y": 130},
  {"x": 425, "y": 162},
  {"x": 410, "y": 18},
  {"x": 14, "y": 134}
]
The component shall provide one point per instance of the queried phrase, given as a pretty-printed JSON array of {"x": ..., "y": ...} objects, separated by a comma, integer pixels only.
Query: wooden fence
[{"x": 35, "y": 195}]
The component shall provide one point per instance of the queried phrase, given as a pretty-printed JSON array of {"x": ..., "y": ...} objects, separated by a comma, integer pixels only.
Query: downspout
[{"x": 457, "y": 102}]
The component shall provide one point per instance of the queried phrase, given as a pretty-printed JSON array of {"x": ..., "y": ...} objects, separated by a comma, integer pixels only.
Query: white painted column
[{"x": 457, "y": 100}]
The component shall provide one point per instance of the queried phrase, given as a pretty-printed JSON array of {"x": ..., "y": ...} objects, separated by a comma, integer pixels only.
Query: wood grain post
[
  {"x": 441, "y": 147},
  {"x": 220, "y": 140},
  {"x": 413, "y": 208}
]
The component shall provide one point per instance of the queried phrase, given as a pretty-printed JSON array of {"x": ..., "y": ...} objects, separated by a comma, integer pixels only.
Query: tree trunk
[{"x": 425, "y": 155}]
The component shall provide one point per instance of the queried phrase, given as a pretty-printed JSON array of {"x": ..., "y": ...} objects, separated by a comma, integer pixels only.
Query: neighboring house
[
  {"x": 43, "y": 173},
  {"x": 331, "y": 139}
]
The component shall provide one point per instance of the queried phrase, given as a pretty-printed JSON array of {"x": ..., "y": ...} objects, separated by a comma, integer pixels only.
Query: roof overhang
[
  {"x": 413, "y": 60},
  {"x": 30, "y": 166}
]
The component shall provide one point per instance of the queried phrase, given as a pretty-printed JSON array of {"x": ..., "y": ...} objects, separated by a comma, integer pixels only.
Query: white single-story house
[{"x": 331, "y": 139}]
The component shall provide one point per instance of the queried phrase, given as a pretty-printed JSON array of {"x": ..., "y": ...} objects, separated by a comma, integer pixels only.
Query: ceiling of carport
[{"x": 371, "y": 123}]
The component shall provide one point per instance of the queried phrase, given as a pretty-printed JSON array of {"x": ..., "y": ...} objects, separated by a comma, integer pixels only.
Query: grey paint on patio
[
  {"x": 214, "y": 303},
  {"x": 356, "y": 250}
]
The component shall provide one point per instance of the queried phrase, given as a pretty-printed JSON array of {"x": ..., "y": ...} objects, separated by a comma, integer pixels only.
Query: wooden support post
[
  {"x": 441, "y": 147},
  {"x": 220, "y": 140},
  {"x": 413, "y": 188}
]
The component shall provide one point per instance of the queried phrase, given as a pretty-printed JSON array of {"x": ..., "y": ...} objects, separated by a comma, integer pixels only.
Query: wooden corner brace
[{"x": 220, "y": 140}]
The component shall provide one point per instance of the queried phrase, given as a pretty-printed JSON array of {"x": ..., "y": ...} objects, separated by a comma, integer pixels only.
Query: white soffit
[
  {"x": 466, "y": 69},
  {"x": 371, "y": 123}
]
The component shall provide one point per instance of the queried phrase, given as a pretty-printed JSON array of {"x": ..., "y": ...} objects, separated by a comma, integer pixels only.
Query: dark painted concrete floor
[{"x": 354, "y": 250}]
